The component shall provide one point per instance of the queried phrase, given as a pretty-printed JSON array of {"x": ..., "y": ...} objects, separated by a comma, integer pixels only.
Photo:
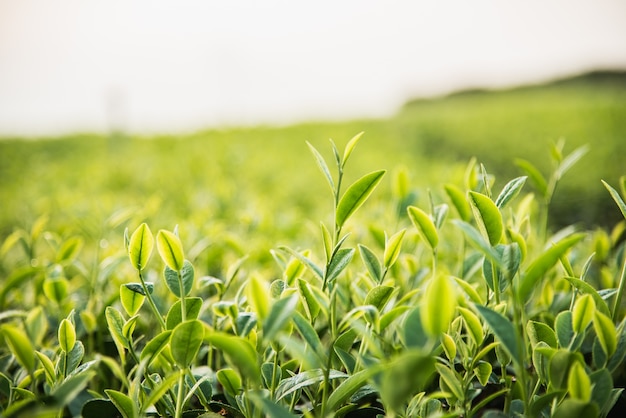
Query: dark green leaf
[
  {"x": 304, "y": 379},
  {"x": 99, "y": 408},
  {"x": 338, "y": 263},
  {"x": 405, "y": 376},
  {"x": 67, "y": 391},
  {"x": 230, "y": 381},
  {"x": 510, "y": 191},
  {"x": 280, "y": 313},
  {"x": 503, "y": 329},
  {"x": 538, "y": 331},
  {"x": 371, "y": 262},
  {"x": 379, "y": 296},
  {"x": 173, "y": 281},
  {"x": 239, "y": 353},
  {"x": 270, "y": 408},
  {"x": 309, "y": 334},
  {"x": 349, "y": 386},
  {"x": 175, "y": 315}
]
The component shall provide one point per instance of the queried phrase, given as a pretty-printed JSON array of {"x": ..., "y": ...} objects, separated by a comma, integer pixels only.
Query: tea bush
[{"x": 451, "y": 302}]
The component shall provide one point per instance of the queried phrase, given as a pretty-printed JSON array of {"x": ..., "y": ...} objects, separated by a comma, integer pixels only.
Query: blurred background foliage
[{"x": 261, "y": 183}]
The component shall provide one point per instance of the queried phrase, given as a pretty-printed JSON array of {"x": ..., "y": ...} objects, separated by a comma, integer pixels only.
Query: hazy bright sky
[{"x": 152, "y": 65}]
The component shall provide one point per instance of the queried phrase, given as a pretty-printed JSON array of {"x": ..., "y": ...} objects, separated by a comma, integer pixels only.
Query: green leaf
[
  {"x": 483, "y": 372},
  {"x": 356, "y": 195},
  {"x": 477, "y": 240},
  {"x": 404, "y": 376},
  {"x": 309, "y": 334},
  {"x": 328, "y": 241},
  {"x": 131, "y": 300},
  {"x": 371, "y": 263},
  {"x": 425, "y": 226},
  {"x": 69, "y": 389},
  {"x": 155, "y": 346},
  {"x": 321, "y": 163},
  {"x": 338, "y": 263},
  {"x": 140, "y": 247},
  {"x": 156, "y": 393},
  {"x": 311, "y": 304},
  {"x": 239, "y": 353},
  {"x": 392, "y": 248},
  {"x": 560, "y": 364},
  {"x": 123, "y": 403},
  {"x": 306, "y": 261},
  {"x": 538, "y": 331},
  {"x": 115, "y": 322},
  {"x": 570, "y": 160},
  {"x": 349, "y": 386},
  {"x": 20, "y": 346},
  {"x": 563, "y": 326},
  {"x": 270, "y": 408},
  {"x": 56, "y": 289},
  {"x": 602, "y": 384},
  {"x": 175, "y": 315},
  {"x": 487, "y": 216},
  {"x": 510, "y": 191},
  {"x": 579, "y": 383},
  {"x": 280, "y": 313},
  {"x": 503, "y": 329},
  {"x": 350, "y": 147},
  {"x": 473, "y": 325},
  {"x": 617, "y": 198},
  {"x": 586, "y": 288},
  {"x": 185, "y": 342},
  {"x": 66, "y": 335},
  {"x": 257, "y": 291},
  {"x": 230, "y": 381},
  {"x": 69, "y": 250},
  {"x": 172, "y": 279},
  {"x": 543, "y": 263},
  {"x": 535, "y": 176},
  {"x": 379, "y": 296},
  {"x": 48, "y": 367},
  {"x": 582, "y": 313},
  {"x": 304, "y": 379},
  {"x": 170, "y": 249},
  {"x": 457, "y": 197},
  {"x": 469, "y": 291},
  {"x": 413, "y": 332},
  {"x": 438, "y": 306},
  {"x": 605, "y": 331}
]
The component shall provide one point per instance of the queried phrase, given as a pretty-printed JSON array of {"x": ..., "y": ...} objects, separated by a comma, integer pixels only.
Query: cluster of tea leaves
[{"x": 455, "y": 301}]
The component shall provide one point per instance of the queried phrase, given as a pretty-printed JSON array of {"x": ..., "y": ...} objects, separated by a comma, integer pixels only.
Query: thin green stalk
[
  {"x": 183, "y": 310},
  {"x": 181, "y": 394},
  {"x": 155, "y": 310},
  {"x": 620, "y": 291}
]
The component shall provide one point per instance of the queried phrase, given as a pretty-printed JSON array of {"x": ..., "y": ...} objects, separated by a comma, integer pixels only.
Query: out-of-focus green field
[{"x": 262, "y": 183}]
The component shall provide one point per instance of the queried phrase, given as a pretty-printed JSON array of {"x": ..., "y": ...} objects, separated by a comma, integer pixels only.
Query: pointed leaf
[
  {"x": 379, "y": 296},
  {"x": 457, "y": 197},
  {"x": 306, "y": 261},
  {"x": 20, "y": 346},
  {"x": 239, "y": 353},
  {"x": 371, "y": 263},
  {"x": 438, "y": 306},
  {"x": 579, "y": 383},
  {"x": 356, "y": 195},
  {"x": 617, "y": 198},
  {"x": 535, "y": 175},
  {"x": 311, "y": 304},
  {"x": 155, "y": 346},
  {"x": 473, "y": 325},
  {"x": 488, "y": 217},
  {"x": 321, "y": 163},
  {"x": 170, "y": 249},
  {"x": 392, "y": 248},
  {"x": 309, "y": 334},
  {"x": 339, "y": 262},
  {"x": 425, "y": 226},
  {"x": 66, "y": 335},
  {"x": 538, "y": 332},
  {"x": 280, "y": 313},
  {"x": 510, "y": 191},
  {"x": 543, "y": 263},
  {"x": 349, "y": 386},
  {"x": 270, "y": 408},
  {"x": 605, "y": 330},
  {"x": 350, "y": 147},
  {"x": 477, "y": 240},
  {"x": 586, "y": 288},
  {"x": 140, "y": 247},
  {"x": 123, "y": 403},
  {"x": 230, "y": 381},
  {"x": 131, "y": 300},
  {"x": 258, "y": 293},
  {"x": 582, "y": 313},
  {"x": 115, "y": 322},
  {"x": 503, "y": 329},
  {"x": 571, "y": 159}
]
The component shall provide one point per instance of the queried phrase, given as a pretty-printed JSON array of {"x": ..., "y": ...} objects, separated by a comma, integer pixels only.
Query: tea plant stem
[
  {"x": 180, "y": 395},
  {"x": 274, "y": 371},
  {"x": 155, "y": 310},
  {"x": 183, "y": 310},
  {"x": 620, "y": 291}
]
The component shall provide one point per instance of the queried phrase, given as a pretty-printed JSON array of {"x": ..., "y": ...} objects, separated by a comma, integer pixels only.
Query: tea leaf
[
  {"x": 538, "y": 332},
  {"x": 560, "y": 364},
  {"x": 350, "y": 147},
  {"x": 66, "y": 336},
  {"x": 172, "y": 280},
  {"x": 69, "y": 389},
  {"x": 617, "y": 198},
  {"x": 349, "y": 386},
  {"x": 306, "y": 261},
  {"x": 413, "y": 331},
  {"x": 469, "y": 291},
  {"x": 543, "y": 263},
  {"x": 392, "y": 248},
  {"x": 535, "y": 175},
  {"x": 578, "y": 383},
  {"x": 156, "y": 393},
  {"x": 279, "y": 314},
  {"x": 404, "y": 376},
  {"x": 311, "y": 304},
  {"x": 473, "y": 325},
  {"x": 503, "y": 330},
  {"x": 483, "y": 372},
  {"x": 155, "y": 346},
  {"x": 488, "y": 217},
  {"x": 69, "y": 250},
  {"x": 371, "y": 263},
  {"x": 140, "y": 246},
  {"x": 457, "y": 197},
  {"x": 586, "y": 288},
  {"x": 258, "y": 294},
  {"x": 582, "y": 314},
  {"x": 185, "y": 342},
  {"x": 131, "y": 300},
  {"x": 438, "y": 306},
  {"x": 48, "y": 367},
  {"x": 379, "y": 296},
  {"x": 477, "y": 240},
  {"x": 170, "y": 249},
  {"x": 175, "y": 315},
  {"x": 321, "y": 163},
  {"x": 20, "y": 346},
  {"x": 115, "y": 322},
  {"x": 570, "y": 160},
  {"x": 451, "y": 379},
  {"x": 449, "y": 347},
  {"x": 270, "y": 408},
  {"x": 309, "y": 334},
  {"x": 304, "y": 379},
  {"x": 605, "y": 330},
  {"x": 123, "y": 403},
  {"x": 510, "y": 191},
  {"x": 356, "y": 195},
  {"x": 239, "y": 353},
  {"x": 425, "y": 226},
  {"x": 230, "y": 381},
  {"x": 338, "y": 263}
]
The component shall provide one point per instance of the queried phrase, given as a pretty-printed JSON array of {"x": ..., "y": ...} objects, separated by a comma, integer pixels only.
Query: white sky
[{"x": 151, "y": 65}]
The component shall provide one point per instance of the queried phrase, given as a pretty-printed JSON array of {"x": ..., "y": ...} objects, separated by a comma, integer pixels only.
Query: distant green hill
[{"x": 497, "y": 126}]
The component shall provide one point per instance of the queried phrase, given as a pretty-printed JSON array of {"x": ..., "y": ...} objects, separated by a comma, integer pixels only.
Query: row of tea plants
[{"x": 470, "y": 307}]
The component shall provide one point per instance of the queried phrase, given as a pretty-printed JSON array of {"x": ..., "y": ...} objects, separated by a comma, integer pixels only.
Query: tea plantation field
[{"x": 462, "y": 258}]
